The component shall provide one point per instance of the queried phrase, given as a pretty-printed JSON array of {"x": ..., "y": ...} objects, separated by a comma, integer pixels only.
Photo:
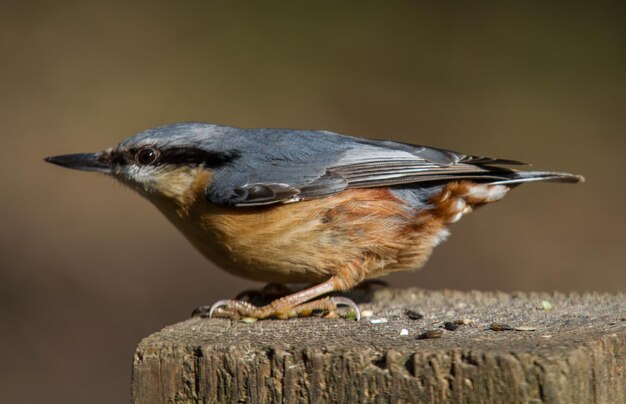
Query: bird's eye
[{"x": 147, "y": 156}]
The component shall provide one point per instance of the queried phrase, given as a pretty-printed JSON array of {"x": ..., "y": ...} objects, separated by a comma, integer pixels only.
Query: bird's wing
[{"x": 333, "y": 163}]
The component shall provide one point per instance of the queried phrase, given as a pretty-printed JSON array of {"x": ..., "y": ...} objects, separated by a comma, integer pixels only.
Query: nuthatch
[{"x": 293, "y": 206}]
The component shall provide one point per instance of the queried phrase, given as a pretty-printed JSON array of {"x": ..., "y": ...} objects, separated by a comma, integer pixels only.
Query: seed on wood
[
  {"x": 546, "y": 306},
  {"x": 500, "y": 327},
  {"x": 450, "y": 326},
  {"x": 351, "y": 315},
  {"x": 464, "y": 321},
  {"x": 526, "y": 328},
  {"x": 413, "y": 315},
  {"x": 437, "y": 333},
  {"x": 378, "y": 320}
]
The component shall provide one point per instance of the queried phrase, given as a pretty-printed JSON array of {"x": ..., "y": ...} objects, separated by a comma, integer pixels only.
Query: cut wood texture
[{"x": 568, "y": 348}]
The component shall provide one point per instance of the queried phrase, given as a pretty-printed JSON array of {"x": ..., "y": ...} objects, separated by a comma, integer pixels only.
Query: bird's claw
[{"x": 344, "y": 301}]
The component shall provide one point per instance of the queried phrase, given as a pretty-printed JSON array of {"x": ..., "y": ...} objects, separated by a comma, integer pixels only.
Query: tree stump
[{"x": 560, "y": 348}]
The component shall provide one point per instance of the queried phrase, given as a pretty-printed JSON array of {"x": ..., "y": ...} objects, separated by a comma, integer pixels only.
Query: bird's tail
[{"x": 519, "y": 177}]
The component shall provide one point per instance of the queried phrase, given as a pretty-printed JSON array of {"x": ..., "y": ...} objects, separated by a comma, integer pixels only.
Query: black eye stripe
[
  {"x": 190, "y": 156},
  {"x": 195, "y": 157},
  {"x": 118, "y": 158}
]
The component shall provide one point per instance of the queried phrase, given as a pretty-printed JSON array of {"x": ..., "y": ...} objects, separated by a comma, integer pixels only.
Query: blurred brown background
[{"x": 87, "y": 268}]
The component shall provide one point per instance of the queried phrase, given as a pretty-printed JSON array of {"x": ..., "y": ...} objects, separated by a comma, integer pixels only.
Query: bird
[{"x": 291, "y": 206}]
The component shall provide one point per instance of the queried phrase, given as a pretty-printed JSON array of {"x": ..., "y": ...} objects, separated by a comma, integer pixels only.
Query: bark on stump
[{"x": 577, "y": 354}]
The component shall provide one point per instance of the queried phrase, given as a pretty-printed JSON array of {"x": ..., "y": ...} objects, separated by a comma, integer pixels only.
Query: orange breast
[{"x": 355, "y": 234}]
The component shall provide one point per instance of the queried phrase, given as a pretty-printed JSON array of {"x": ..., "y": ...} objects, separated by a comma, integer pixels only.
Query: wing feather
[{"x": 310, "y": 165}]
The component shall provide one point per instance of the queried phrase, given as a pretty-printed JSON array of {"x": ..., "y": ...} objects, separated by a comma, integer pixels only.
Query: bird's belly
[
  {"x": 258, "y": 247},
  {"x": 356, "y": 234}
]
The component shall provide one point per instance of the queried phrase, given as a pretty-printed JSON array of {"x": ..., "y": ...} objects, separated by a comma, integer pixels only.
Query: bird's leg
[{"x": 293, "y": 305}]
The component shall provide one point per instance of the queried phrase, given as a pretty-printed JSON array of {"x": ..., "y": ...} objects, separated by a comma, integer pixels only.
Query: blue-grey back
[{"x": 268, "y": 166}]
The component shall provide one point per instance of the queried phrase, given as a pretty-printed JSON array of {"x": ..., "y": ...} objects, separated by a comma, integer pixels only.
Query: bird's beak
[{"x": 83, "y": 161}]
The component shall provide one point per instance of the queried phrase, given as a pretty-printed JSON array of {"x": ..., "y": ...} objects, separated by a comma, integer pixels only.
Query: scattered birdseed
[
  {"x": 500, "y": 327},
  {"x": 431, "y": 334},
  {"x": 525, "y": 328},
  {"x": 413, "y": 315},
  {"x": 404, "y": 331},
  {"x": 465, "y": 321},
  {"x": 378, "y": 320},
  {"x": 546, "y": 306},
  {"x": 367, "y": 313},
  {"x": 248, "y": 320},
  {"x": 450, "y": 326},
  {"x": 351, "y": 315}
]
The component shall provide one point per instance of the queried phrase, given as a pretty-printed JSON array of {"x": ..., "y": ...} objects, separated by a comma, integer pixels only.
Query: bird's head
[{"x": 164, "y": 162}]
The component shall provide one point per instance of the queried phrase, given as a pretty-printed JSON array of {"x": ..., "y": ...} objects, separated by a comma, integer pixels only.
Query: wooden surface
[{"x": 577, "y": 354}]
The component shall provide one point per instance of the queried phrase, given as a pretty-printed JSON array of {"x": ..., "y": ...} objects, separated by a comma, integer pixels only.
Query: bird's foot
[
  {"x": 254, "y": 297},
  {"x": 281, "y": 308}
]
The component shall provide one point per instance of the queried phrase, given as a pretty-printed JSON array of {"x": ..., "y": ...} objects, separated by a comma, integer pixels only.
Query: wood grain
[{"x": 576, "y": 354}]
